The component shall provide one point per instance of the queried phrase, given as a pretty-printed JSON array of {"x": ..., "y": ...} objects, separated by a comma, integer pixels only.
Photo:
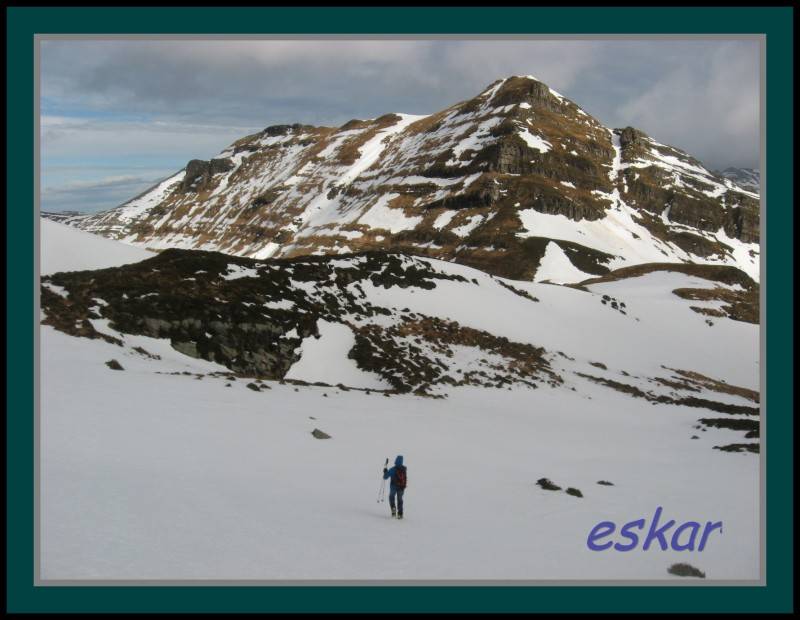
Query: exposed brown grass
[{"x": 717, "y": 385}]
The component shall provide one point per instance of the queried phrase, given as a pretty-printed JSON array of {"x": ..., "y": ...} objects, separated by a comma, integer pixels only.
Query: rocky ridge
[{"x": 503, "y": 182}]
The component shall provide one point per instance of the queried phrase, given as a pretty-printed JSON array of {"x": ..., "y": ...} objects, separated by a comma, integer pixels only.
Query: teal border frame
[{"x": 23, "y": 23}]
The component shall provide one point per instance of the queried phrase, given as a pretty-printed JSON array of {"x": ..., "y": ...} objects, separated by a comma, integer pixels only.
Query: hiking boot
[
  {"x": 394, "y": 514},
  {"x": 400, "y": 516}
]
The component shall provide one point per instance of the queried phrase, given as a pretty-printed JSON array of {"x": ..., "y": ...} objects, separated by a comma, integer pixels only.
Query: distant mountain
[
  {"x": 747, "y": 178},
  {"x": 519, "y": 182},
  {"x": 63, "y": 216}
]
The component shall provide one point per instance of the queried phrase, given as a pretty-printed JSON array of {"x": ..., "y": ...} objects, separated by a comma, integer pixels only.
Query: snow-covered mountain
[
  {"x": 180, "y": 393},
  {"x": 747, "y": 178},
  {"x": 518, "y": 181}
]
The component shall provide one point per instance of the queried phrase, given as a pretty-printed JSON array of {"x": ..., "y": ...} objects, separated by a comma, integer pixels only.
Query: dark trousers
[{"x": 394, "y": 491}]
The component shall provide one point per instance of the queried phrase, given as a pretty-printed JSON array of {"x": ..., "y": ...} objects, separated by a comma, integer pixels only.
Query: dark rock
[
  {"x": 751, "y": 427},
  {"x": 199, "y": 172},
  {"x": 574, "y": 492},
  {"x": 277, "y": 130},
  {"x": 523, "y": 89},
  {"x": 265, "y": 198},
  {"x": 630, "y": 136},
  {"x": 739, "y": 447},
  {"x": 114, "y": 365},
  {"x": 742, "y": 223},
  {"x": 196, "y": 171},
  {"x": 547, "y": 485},
  {"x": 605, "y": 483},
  {"x": 685, "y": 570},
  {"x": 320, "y": 434},
  {"x": 224, "y": 164}
]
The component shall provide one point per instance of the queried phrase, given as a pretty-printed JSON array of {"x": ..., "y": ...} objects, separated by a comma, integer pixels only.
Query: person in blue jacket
[{"x": 397, "y": 486}]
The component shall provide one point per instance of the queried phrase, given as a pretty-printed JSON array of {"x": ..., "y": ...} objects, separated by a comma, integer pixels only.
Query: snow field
[
  {"x": 63, "y": 248},
  {"x": 167, "y": 477},
  {"x": 146, "y": 474}
]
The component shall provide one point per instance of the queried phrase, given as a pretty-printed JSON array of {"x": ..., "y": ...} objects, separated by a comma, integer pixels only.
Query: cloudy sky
[{"x": 118, "y": 115}]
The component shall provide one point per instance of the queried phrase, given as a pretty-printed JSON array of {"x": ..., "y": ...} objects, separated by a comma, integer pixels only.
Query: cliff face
[{"x": 505, "y": 181}]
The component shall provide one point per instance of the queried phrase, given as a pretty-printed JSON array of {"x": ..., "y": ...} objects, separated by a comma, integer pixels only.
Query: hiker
[{"x": 397, "y": 486}]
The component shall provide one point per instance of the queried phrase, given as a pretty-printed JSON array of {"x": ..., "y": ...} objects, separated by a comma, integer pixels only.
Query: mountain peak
[
  {"x": 518, "y": 89},
  {"x": 490, "y": 182}
]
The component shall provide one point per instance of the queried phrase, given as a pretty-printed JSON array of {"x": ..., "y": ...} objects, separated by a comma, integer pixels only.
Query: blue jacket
[{"x": 389, "y": 473}]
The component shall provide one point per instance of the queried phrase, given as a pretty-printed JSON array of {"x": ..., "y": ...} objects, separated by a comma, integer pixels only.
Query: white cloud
[
  {"x": 94, "y": 195},
  {"x": 710, "y": 109},
  {"x": 105, "y": 182},
  {"x": 78, "y": 138},
  {"x": 161, "y": 103},
  {"x": 556, "y": 63}
]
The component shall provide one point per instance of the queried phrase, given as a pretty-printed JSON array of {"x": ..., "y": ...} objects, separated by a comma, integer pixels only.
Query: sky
[{"x": 117, "y": 116}]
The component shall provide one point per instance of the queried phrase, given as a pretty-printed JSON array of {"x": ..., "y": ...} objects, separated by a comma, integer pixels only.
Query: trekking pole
[{"x": 382, "y": 490}]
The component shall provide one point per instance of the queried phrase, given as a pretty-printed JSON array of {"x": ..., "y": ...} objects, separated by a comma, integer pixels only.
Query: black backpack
[{"x": 400, "y": 476}]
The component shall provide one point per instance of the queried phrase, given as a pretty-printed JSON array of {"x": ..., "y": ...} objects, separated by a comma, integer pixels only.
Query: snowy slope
[
  {"x": 156, "y": 476},
  {"x": 175, "y": 469},
  {"x": 63, "y": 248},
  {"x": 317, "y": 353}
]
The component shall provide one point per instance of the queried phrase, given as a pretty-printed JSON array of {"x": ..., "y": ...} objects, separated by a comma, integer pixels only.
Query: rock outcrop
[
  {"x": 199, "y": 173},
  {"x": 253, "y": 316}
]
